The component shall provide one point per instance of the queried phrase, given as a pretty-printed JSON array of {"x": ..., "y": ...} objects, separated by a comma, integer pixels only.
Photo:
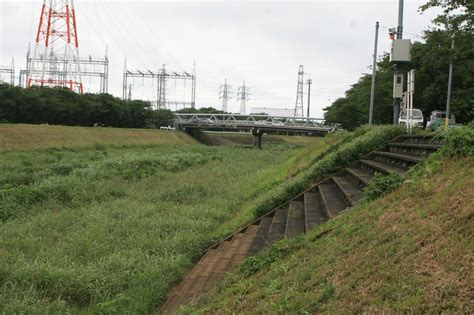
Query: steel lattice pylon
[
  {"x": 56, "y": 59},
  {"x": 243, "y": 97},
  {"x": 225, "y": 95},
  {"x": 299, "y": 93}
]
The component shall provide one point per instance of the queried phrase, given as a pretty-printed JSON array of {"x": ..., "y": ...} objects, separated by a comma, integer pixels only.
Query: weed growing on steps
[
  {"x": 458, "y": 142},
  {"x": 352, "y": 147},
  {"x": 382, "y": 184}
]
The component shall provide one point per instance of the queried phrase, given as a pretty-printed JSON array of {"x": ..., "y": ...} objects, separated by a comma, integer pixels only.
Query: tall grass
[
  {"x": 109, "y": 229},
  {"x": 409, "y": 251}
]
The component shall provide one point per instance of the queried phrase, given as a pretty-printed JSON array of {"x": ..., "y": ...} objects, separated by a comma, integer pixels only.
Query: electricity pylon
[
  {"x": 225, "y": 95},
  {"x": 243, "y": 97},
  {"x": 299, "y": 93},
  {"x": 56, "y": 59}
]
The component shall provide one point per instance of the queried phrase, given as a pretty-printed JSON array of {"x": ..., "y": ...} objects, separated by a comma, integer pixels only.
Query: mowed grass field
[
  {"x": 28, "y": 137},
  {"x": 109, "y": 228}
]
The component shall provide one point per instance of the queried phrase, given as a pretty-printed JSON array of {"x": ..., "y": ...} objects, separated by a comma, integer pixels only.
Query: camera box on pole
[
  {"x": 398, "y": 86},
  {"x": 401, "y": 51}
]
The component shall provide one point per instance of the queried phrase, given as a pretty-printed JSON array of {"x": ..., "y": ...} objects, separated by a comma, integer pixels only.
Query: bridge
[{"x": 256, "y": 124}]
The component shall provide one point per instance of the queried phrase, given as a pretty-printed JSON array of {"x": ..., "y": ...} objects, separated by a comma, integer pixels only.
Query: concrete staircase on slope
[{"x": 301, "y": 214}]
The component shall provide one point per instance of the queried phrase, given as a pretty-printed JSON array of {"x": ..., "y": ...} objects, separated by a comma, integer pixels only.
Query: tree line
[
  {"x": 58, "y": 106},
  {"x": 431, "y": 60}
]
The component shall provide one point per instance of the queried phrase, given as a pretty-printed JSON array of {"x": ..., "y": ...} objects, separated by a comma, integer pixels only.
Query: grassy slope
[
  {"x": 236, "y": 138},
  {"x": 411, "y": 250},
  {"x": 289, "y": 170},
  {"x": 107, "y": 228},
  {"x": 27, "y": 137}
]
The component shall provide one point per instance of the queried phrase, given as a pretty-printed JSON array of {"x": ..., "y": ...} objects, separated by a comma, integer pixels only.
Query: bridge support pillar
[{"x": 257, "y": 138}]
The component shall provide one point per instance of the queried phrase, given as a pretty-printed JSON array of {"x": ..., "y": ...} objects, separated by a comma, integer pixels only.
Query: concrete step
[
  {"x": 420, "y": 139},
  {"x": 234, "y": 255},
  {"x": 381, "y": 167},
  {"x": 413, "y": 159},
  {"x": 332, "y": 200},
  {"x": 243, "y": 250},
  {"x": 348, "y": 188},
  {"x": 223, "y": 263},
  {"x": 181, "y": 293},
  {"x": 314, "y": 211},
  {"x": 200, "y": 267},
  {"x": 361, "y": 176},
  {"x": 278, "y": 226},
  {"x": 208, "y": 268},
  {"x": 295, "y": 224},
  {"x": 259, "y": 241},
  {"x": 419, "y": 149},
  {"x": 171, "y": 305}
]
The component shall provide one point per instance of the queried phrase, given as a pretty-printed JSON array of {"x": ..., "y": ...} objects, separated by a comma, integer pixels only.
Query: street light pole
[
  {"x": 309, "y": 95},
  {"x": 374, "y": 72},
  {"x": 450, "y": 83}
]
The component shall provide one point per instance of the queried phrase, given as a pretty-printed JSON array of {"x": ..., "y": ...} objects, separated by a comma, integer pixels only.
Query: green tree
[
  {"x": 39, "y": 105},
  {"x": 352, "y": 110},
  {"x": 431, "y": 61},
  {"x": 457, "y": 14}
]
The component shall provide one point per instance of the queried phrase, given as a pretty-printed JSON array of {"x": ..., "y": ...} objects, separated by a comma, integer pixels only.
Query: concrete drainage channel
[{"x": 301, "y": 214}]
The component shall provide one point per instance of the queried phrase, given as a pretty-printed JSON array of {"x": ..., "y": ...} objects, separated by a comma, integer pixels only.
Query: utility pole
[
  {"x": 299, "y": 93},
  {"x": 450, "y": 83},
  {"x": 225, "y": 95},
  {"x": 400, "y": 20},
  {"x": 396, "y": 101},
  {"x": 12, "y": 78},
  {"x": 193, "y": 92},
  {"x": 105, "y": 79},
  {"x": 125, "y": 83},
  {"x": 374, "y": 73},
  {"x": 309, "y": 82},
  {"x": 409, "y": 98},
  {"x": 243, "y": 97}
]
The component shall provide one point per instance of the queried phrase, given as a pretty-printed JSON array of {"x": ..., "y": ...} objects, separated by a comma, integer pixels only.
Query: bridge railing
[{"x": 262, "y": 120}]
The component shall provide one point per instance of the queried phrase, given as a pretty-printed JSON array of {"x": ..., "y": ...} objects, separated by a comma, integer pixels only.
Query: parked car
[
  {"x": 416, "y": 118},
  {"x": 437, "y": 120}
]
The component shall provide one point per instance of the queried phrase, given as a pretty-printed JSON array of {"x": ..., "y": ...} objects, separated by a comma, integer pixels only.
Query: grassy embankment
[
  {"x": 30, "y": 137},
  {"x": 109, "y": 228},
  {"x": 240, "y": 138},
  {"x": 410, "y": 251}
]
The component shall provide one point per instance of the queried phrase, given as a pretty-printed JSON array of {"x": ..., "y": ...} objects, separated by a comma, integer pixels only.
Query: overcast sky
[{"x": 260, "y": 42}]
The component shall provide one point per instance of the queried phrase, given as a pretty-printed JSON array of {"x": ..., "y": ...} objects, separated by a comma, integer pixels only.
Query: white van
[{"x": 416, "y": 118}]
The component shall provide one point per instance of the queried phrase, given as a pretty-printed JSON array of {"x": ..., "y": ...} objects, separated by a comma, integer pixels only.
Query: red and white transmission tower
[{"x": 56, "y": 57}]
